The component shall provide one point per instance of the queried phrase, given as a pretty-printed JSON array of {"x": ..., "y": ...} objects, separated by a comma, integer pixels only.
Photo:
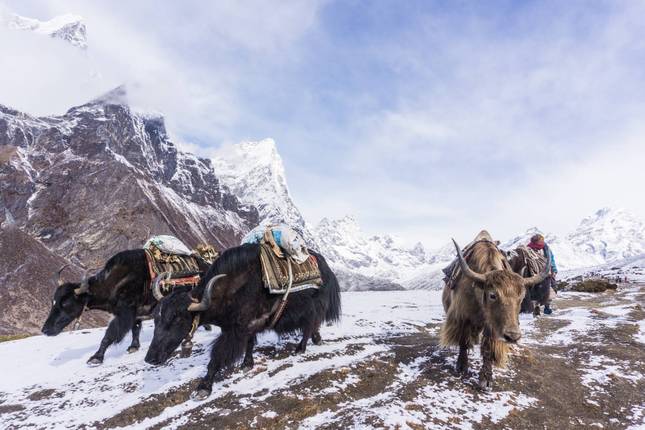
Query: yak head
[
  {"x": 500, "y": 294},
  {"x": 174, "y": 317},
  {"x": 67, "y": 305}
]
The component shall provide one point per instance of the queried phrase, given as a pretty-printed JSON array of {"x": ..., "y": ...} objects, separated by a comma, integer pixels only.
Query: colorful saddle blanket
[
  {"x": 275, "y": 272},
  {"x": 180, "y": 266}
]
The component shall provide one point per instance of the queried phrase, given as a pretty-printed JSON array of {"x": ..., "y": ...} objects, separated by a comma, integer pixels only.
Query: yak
[
  {"x": 536, "y": 295},
  {"x": 232, "y": 296},
  {"x": 120, "y": 288},
  {"x": 484, "y": 301}
]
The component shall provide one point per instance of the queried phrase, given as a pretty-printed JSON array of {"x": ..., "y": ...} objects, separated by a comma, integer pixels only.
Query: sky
[{"x": 423, "y": 119}]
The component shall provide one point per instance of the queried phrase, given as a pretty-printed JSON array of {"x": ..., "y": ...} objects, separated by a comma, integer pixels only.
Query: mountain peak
[
  {"x": 68, "y": 27},
  {"x": 116, "y": 96}
]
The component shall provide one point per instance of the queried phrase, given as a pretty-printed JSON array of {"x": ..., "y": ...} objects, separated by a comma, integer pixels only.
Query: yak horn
[
  {"x": 59, "y": 281},
  {"x": 156, "y": 285},
  {"x": 478, "y": 277},
  {"x": 539, "y": 278},
  {"x": 206, "y": 298},
  {"x": 85, "y": 285}
]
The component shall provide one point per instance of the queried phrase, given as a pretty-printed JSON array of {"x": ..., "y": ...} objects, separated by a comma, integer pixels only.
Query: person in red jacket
[{"x": 537, "y": 243}]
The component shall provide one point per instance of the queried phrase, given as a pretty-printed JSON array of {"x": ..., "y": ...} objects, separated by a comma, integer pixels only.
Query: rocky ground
[{"x": 581, "y": 367}]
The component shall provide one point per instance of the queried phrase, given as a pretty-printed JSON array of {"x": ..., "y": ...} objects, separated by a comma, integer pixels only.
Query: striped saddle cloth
[{"x": 182, "y": 269}]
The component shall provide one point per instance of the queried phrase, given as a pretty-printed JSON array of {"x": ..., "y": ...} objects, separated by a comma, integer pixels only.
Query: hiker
[{"x": 537, "y": 243}]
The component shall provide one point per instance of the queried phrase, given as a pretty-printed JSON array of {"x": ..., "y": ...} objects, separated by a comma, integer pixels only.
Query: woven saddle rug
[
  {"x": 182, "y": 269},
  {"x": 275, "y": 272}
]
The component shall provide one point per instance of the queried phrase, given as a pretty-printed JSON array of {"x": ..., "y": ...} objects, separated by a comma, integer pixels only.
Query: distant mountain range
[{"x": 254, "y": 172}]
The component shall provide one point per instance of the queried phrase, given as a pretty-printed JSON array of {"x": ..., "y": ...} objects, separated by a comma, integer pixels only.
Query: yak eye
[{"x": 492, "y": 296}]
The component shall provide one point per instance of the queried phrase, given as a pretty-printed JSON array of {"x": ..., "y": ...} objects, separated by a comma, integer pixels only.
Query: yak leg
[
  {"x": 486, "y": 372},
  {"x": 248, "y": 363},
  {"x": 136, "y": 330},
  {"x": 307, "y": 331},
  {"x": 116, "y": 331},
  {"x": 462, "y": 359},
  {"x": 315, "y": 336},
  {"x": 228, "y": 347}
]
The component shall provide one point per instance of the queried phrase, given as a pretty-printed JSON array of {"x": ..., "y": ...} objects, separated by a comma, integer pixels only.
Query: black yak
[
  {"x": 232, "y": 296},
  {"x": 121, "y": 288},
  {"x": 485, "y": 299}
]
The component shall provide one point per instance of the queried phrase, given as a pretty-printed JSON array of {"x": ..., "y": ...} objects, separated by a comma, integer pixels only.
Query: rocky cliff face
[{"x": 101, "y": 179}]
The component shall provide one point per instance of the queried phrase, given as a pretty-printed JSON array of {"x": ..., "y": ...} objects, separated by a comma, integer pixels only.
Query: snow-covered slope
[
  {"x": 67, "y": 27},
  {"x": 609, "y": 235},
  {"x": 380, "y": 368}
]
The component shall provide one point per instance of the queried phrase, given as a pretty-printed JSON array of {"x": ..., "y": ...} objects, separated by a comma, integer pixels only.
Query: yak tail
[
  {"x": 499, "y": 352},
  {"x": 331, "y": 289}
]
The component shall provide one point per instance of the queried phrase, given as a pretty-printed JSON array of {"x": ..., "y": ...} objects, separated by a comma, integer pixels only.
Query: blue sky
[{"x": 424, "y": 119}]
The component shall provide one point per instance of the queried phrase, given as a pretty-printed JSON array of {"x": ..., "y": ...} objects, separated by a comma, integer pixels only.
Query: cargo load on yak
[
  {"x": 172, "y": 263},
  {"x": 286, "y": 263},
  {"x": 453, "y": 270},
  {"x": 530, "y": 261}
]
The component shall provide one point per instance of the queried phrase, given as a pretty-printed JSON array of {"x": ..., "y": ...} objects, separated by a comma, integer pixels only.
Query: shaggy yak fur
[
  {"x": 121, "y": 289},
  {"x": 485, "y": 300},
  {"x": 242, "y": 307}
]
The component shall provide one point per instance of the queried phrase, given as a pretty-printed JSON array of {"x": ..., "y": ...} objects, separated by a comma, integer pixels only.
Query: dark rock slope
[{"x": 97, "y": 180}]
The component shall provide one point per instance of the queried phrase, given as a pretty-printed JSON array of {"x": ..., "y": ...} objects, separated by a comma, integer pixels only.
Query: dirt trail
[{"x": 540, "y": 369}]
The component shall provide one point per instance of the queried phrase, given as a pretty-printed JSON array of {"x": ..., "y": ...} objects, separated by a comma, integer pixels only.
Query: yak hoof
[
  {"x": 200, "y": 395},
  {"x": 485, "y": 385},
  {"x": 94, "y": 361},
  {"x": 461, "y": 369},
  {"x": 316, "y": 339},
  {"x": 133, "y": 349},
  {"x": 248, "y": 365}
]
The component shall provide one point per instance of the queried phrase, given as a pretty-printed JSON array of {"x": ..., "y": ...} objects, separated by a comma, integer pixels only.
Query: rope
[{"x": 283, "y": 303}]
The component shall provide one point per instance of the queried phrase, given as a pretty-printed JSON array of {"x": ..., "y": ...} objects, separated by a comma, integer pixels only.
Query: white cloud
[{"x": 435, "y": 126}]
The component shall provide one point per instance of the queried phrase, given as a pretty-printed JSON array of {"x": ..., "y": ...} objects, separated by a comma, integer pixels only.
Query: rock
[{"x": 593, "y": 286}]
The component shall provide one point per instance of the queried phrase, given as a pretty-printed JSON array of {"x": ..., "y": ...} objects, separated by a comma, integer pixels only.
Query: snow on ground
[{"x": 381, "y": 367}]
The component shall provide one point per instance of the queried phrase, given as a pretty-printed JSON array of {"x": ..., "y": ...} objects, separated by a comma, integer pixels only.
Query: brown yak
[{"x": 485, "y": 298}]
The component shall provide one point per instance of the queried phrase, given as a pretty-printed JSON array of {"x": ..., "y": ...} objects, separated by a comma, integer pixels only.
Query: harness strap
[
  {"x": 77, "y": 323},
  {"x": 283, "y": 302}
]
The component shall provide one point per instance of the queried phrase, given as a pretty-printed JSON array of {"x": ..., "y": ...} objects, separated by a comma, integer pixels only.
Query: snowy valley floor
[{"x": 583, "y": 367}]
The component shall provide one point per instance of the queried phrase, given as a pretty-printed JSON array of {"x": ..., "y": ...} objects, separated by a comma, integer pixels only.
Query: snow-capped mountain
[
  {"x": 381, "y": 256},
  {"x": 254, "y": 172},
  {"x": 607, "y": 236},
  {"x": 68, "y": 27}
]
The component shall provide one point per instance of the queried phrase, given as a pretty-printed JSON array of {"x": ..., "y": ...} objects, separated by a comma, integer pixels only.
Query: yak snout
[{"x": 512, "y": 336}]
